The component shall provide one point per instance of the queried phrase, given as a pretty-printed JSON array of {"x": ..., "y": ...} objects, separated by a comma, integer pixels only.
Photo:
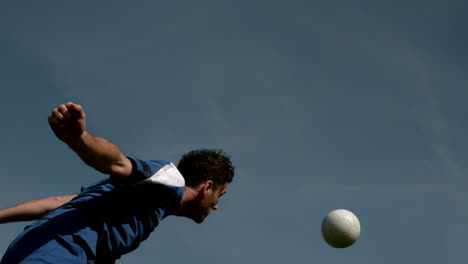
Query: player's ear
[{"x": 208, "y": 186}]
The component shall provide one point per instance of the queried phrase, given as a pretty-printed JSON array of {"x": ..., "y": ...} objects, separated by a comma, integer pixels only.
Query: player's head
[
  {"x": 201, "y": 165},
  {"x": 209, "y": 171}
]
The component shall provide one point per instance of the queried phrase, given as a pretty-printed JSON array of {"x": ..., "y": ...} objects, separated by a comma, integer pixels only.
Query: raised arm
[
  {"x": 68, "y": 122},
  {"x": 32, "y": 210}
]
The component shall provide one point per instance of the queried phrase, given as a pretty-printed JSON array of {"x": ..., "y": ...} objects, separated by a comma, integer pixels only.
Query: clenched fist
[{"x": 68, "y": 122}]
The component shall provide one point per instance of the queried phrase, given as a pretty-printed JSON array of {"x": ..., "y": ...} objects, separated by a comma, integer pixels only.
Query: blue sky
[{"x": 321, "y": 104}]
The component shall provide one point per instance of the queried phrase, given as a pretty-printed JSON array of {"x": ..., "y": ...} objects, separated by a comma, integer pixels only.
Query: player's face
[{"x": 209, "y": 202}]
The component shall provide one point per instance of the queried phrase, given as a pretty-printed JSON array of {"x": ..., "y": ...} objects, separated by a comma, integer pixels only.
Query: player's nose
[{"x": 215, "y": 207}]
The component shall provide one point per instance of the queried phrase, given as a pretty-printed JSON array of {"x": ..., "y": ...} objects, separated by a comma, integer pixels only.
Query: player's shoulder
[{"x": 156, "y": 172}]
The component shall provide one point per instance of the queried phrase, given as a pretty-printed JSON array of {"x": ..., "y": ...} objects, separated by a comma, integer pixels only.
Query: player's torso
[{"x": 112, "y": 219}]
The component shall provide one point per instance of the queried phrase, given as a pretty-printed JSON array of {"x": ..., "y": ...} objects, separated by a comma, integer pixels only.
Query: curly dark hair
[{"x": 201, "y": 165}]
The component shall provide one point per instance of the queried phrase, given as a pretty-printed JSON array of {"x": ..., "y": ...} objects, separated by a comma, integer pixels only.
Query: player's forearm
[
  {"x": 101, "y": 154},
  {"x": 32, "y": 210},
  {"x": 21, "y": 212}
]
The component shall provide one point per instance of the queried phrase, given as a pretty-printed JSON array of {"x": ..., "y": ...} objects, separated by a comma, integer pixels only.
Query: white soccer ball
[{"x": 340, "y": 228}]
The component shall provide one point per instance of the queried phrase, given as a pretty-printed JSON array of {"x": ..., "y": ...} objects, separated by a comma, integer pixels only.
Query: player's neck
[{"x": 189, "y": 195}]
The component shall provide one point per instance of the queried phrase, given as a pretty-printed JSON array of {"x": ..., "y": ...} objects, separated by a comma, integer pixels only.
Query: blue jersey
[{"x": 108, "y": 219}]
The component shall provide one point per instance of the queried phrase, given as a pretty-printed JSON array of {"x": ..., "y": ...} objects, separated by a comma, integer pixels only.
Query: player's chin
[{"x": 199, "y": 219}]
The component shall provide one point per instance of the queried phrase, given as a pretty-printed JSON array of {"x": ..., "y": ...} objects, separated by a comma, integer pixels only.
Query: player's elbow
[
  {"x": 121, "y": 171},
  {"x": 58, "y": 201}
]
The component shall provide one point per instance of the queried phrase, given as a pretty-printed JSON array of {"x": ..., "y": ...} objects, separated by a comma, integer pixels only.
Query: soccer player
[{"x": 113, "y": 216}]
